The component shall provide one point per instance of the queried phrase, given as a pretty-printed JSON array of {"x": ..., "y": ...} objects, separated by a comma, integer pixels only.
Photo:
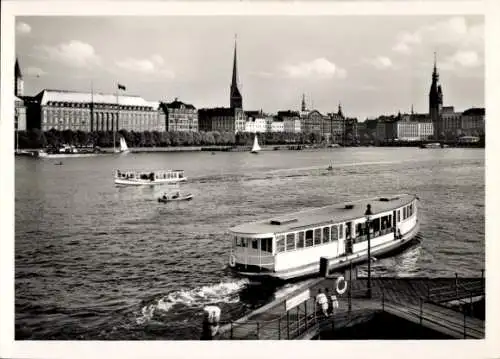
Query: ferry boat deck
[{"x": 317, "y": 216}]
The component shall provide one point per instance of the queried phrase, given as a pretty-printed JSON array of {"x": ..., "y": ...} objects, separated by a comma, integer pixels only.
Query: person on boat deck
[
  {"x": 176, "y": 194},
  {"x": 164, "y": 196},
  {"x": 322, "y": 302}
]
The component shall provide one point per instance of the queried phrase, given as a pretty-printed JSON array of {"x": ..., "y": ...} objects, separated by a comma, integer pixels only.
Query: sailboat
[
  {"x": 123, "y": 145},
  {"x": 256, "y": 147}
]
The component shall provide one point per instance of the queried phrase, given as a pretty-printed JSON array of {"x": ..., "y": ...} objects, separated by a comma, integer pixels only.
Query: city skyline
[{"x": 277, "y": 61}]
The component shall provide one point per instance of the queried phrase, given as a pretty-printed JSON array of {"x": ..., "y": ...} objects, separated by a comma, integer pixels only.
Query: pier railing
[{"x": 426, "y": 309}]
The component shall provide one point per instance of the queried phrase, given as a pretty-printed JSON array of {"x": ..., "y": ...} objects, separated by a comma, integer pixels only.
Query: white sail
[
  {"x": 123, "y": 145},
  {"x": 256, "y": 147}
]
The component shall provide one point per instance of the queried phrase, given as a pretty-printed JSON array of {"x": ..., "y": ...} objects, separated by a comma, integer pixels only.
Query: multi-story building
[
  {"x": 277, "y": 125},
  {"x": 180, "y": 116},
  {"x": 337, "y": 126},
  {"x": 413, "y": 131},
  {"x": 291, "y": 121},
  {"x": 451, "y": 122},
  {"x": 312, "y": 122},
  {"x": 255, "y": 122},
  {"x": 473, "y": 122},
  {"x": 222, "y": 119},
  {"x": 69, "y": 110},
  {"x": 19, "y": 107}
]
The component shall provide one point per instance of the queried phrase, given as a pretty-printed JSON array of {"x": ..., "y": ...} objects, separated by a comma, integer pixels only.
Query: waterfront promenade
[{"x": 421, "y": 301}]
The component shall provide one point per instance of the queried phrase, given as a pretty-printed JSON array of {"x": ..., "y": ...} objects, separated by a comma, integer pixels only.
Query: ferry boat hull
[
  {"x": 140, "y": 182},
  {"x": 291, "y": 246},
  {"x": 336, "y": 263}
]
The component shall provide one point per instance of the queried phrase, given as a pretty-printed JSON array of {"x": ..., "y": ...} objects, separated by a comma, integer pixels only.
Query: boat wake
[{"x": 223, "y": 292}]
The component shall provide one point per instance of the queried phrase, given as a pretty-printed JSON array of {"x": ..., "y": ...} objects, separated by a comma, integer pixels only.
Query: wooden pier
[{"x": 422, "y": 301}]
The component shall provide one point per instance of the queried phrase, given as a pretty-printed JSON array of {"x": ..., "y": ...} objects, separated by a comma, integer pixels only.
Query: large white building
[
  {"x": 277, "y": 126},
  {"x": 413, "y": 131},
  {"x": 84, "y": 111},
  {"x": 255, "y": 122}
]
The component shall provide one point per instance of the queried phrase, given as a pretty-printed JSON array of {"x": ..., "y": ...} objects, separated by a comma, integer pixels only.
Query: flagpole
[
  {"x": 114, "y": 129},
  {"x": 92, "y": 124}
]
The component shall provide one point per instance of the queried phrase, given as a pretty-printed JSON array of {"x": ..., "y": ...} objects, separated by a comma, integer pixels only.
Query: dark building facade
[
  {"x": 436, "y": 103},
  {"x": 20, "y": 108},
  {"x": 221, "y": 119}
]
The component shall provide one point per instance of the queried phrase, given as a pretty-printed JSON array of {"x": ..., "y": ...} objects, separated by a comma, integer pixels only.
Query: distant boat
[
  {"x": 123, "y": 145},
  {"x": 137, "y": 178},
  {"x": 175, "y": 197},
  {"x": 256, "y": 147},
  {"x": 431, "y": 145}
]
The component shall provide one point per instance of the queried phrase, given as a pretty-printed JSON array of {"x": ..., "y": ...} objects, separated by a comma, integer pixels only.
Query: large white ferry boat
[
  {"x": 290, "y": 246},
  {"x": 138, "y": 178}
]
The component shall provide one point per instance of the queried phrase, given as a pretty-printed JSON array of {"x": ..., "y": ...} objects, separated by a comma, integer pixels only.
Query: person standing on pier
[{"x": 322, "y": 302}]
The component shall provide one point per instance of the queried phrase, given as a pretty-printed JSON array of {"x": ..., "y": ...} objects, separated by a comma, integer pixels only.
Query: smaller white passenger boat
[
  {"x": 175, "y": 197},
  {"x": 256, "y": 148},
  {"x": 138, "y": 178}
]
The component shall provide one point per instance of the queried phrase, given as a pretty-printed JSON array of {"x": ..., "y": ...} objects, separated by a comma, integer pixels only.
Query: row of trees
[{"x": 54, "y": 138}]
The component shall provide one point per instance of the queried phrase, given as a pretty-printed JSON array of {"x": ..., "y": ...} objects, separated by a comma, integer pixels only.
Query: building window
[{"x": 290, "y": 242}]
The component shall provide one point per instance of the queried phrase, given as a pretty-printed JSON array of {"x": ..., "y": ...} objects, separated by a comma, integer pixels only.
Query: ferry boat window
[
  {"x": 341, "y": 231},
  {"x": 280, "y": 243},
  {"x": 290, "y": 241},
  {"x": 326, "y": 234},
  {"x": 317, "y": 236},
  {"x": 244, "y": 242},
  {"x": 399, "y": 215},
  {"x": 255, "y": 243},
  {"x": 300, "y": 240},
  {"x": 335, "y": 233},
  {"x": 375, "y": 226},
  {"x": 266, "y": 245},
  {"x": 309, "y": 238}
]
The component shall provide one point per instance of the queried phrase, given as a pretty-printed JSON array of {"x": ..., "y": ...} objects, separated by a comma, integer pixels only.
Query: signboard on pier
[{"x": 298, "y": 299}]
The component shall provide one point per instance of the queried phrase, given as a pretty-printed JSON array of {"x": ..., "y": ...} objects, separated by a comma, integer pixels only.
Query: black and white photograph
[{"x": 252, "y": 174}]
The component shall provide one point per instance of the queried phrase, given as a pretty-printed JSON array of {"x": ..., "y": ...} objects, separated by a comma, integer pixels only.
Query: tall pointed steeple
[
  {"x": 236, "y": 100},
  {"x": 18, "y": 79},
  {"x": 340, "y": 111},
  {"x": 303, "y": 106},
  {"x": 436, "y": 101}
]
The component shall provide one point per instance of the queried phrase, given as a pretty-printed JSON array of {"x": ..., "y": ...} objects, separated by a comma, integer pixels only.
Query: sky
[{"x": 372, "y": 65}]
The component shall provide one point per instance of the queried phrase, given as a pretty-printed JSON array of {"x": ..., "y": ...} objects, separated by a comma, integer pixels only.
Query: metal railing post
[
  {"x": 279, "y": 328},
  {"x": 257, "y": 330},
  {"x": 456, "y": 285},
  {"x": 421, "y": 310},
  {"x": 288, "y": 325},
  {"x": 231, "y": 333},
  {"x": 465, "y": 334}
]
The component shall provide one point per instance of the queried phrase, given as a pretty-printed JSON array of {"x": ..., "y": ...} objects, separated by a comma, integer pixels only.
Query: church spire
[
  {"x": 303, "y": 107},
  {"x": 236, "y": 100},
  {"x": 18, "y": 78}
]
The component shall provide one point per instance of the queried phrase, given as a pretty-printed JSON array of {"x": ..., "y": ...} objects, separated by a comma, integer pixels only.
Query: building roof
[
  {"x": 474, "y": 111},
  {"x": 217, "y": 111},
  {"x": 330, "y": 214},
  {"x": 288, "y": 113},
  {"x": 47, "y": 95},
  {"x": 178, "y": 104}
]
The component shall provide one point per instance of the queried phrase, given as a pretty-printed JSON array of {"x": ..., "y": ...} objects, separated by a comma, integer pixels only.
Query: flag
[{"x": 122, "y": 87}]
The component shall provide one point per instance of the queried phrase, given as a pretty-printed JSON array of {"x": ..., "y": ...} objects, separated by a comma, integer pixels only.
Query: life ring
[
  {"x": 232, "y": 261},
  {"x": 338, "y": 284}
]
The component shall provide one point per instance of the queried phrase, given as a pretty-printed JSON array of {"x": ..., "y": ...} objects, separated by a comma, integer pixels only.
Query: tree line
[{"x": 53, "y": 138}]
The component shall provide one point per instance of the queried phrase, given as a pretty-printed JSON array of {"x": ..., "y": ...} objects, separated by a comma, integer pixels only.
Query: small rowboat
[{"x": 184, "y": 197}]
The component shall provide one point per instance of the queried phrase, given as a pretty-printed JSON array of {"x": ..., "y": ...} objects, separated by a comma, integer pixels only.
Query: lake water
[{"x": 96, "y": 261}]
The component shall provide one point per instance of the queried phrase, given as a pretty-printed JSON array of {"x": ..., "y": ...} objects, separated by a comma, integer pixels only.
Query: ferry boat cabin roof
[{"x": 337, "y": 212}]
